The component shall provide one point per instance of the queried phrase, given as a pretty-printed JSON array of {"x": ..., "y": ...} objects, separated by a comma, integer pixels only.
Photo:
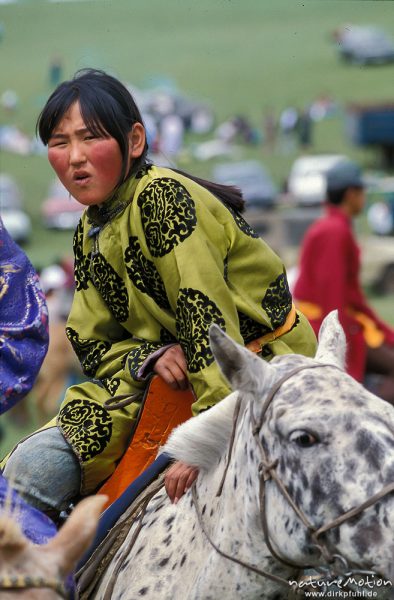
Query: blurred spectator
[
  {"x": 237, "y": 127},
  {"x": 287, "y": 125},
  {"x": 226, "y": 131},
  {"x": 329, "y": 279},
  {"x": 55, "y": 71},
  {"x": 269, "y": 130},
  {"x": 171, "y": 135},
  {"x": 245, "y": 130},
  {"x": 322, "y": 108},
  {"x": 304, "y": 128},
  {"x": 53, "y": 282},
  {"x": 10, "y": 101},
  {"x": 60, "y": 367}
]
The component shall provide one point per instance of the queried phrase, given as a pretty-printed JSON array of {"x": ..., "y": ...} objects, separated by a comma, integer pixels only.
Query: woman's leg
[
  {"x": 380, "y": 361},
  {"x": 44, "y": 470}
]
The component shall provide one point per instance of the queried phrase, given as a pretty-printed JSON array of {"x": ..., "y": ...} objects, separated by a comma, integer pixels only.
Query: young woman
[{"x": 159, "y": 257}]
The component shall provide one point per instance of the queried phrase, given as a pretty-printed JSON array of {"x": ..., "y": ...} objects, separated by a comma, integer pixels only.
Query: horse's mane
[{"x": 202, "y": 440}]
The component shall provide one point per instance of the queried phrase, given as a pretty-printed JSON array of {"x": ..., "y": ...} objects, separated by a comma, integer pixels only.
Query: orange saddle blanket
[{"x": 163, "y": 409}]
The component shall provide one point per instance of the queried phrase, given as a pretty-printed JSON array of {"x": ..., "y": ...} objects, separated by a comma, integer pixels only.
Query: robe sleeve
[
  {"x": 106, "y": 350},
  {"x": 189, "y": 249}
]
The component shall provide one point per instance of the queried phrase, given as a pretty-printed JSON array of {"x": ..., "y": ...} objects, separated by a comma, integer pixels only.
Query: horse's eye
[{"x": 304, "y": 439}]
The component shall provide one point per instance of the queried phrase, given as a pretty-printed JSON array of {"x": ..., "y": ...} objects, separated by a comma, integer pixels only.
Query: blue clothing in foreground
[
  {"x": 23, "y": 346},
  {"x": 23, "y": 323},
  {"x": 36, "y": 526}
]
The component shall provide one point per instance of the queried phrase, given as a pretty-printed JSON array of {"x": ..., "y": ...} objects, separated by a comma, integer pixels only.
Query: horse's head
[{"x": 332, "y": 444}]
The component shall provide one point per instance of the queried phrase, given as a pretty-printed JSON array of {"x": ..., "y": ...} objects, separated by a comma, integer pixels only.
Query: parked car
[
  {"x": 380, "y": 217},
  {"x": 258, "y": 189},
  {"x": 15, "y": 219},
  {"x": 378, "y": 263},
  {"x": 364, "y": 45},
  {"x": 306, "y": 184},
  {"x": 380, "y": 211},
  {"x": 60, "y": 210}
]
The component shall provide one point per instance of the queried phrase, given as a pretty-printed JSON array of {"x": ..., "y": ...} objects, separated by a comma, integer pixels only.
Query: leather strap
[{"x": 257, "y": 344}]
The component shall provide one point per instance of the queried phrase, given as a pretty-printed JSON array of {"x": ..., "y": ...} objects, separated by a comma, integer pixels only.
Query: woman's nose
[{"x": 77, "y": 153}]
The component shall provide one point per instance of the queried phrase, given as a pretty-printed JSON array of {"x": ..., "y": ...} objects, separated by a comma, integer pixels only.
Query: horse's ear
[
  {"x": 11, "y": 536},
  {"x": 242, "y": 369},
  {"x": 332, "y": 341},
  {"x": 76, "y": 535}
]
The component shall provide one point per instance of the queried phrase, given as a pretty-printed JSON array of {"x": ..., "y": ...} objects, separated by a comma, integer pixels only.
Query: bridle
[
  {"x": 267, "y": 471},
  {"x": 23, "y": 582}
]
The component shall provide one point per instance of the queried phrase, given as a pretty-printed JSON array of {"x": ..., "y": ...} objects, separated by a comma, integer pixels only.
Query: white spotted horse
[{"x": 296, "y": 471}]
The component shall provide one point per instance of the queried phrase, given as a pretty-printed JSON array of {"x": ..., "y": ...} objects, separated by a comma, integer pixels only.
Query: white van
[{"x": 306, "y": 184}]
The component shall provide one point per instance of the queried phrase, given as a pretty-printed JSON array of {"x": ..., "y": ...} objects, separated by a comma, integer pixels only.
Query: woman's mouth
[{"x": 81, "y": 179}]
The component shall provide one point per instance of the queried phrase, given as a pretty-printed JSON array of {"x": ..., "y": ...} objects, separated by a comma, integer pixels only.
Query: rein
[
  {"x": 22, "y": 582},
  {"x": 266, "y": 471}
]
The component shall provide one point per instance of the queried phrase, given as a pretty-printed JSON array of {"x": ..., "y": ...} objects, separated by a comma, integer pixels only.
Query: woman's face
[{"x": 89, "y": 166}]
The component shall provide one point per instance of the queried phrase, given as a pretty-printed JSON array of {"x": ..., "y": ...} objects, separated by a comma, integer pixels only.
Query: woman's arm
[{"x": 189, "y": 247}]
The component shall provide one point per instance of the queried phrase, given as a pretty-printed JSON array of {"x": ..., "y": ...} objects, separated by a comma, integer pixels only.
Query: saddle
[
  {"x": 162, "y": 409},
  {"x": 111, "y": 535}
]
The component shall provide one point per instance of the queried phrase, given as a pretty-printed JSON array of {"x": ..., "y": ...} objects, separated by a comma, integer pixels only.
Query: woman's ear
[{"x": 137, "y": 139}]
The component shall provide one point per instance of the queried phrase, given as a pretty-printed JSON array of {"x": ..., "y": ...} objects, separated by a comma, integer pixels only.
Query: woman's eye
[{"x": 304, "y": 439}]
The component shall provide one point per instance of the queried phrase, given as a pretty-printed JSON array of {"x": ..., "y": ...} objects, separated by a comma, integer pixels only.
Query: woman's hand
[
  {"x": 179, "y": 479},
  {"x": 171, "y": 366}
]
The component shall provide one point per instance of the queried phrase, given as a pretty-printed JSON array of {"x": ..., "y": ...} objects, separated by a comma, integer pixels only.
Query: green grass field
[{"x": 243, "y": 56}]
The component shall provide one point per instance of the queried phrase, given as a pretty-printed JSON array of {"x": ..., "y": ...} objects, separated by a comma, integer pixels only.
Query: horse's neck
[
  {"x": 240, "y": 495},
  {"x": 232, "y": 519}
]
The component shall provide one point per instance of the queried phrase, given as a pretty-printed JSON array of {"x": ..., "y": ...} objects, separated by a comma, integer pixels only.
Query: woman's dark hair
[{"x": 108, "y": 108}]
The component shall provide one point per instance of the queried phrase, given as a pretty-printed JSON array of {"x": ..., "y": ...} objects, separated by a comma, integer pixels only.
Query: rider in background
[
  {"x": 159, "y": 257},
  {"x": 329, "y": 278}
]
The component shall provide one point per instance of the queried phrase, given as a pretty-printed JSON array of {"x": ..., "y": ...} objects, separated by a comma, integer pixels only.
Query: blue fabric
[
  {"x": 23, "y": 323},
  {"x": 36, "y": 526},
  {"x": 23, "y": 346},
  {"x": 117, "y": 508}
]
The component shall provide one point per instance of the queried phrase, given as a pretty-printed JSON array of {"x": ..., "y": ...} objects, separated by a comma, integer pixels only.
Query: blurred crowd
[{"x": 169, "y": 115}]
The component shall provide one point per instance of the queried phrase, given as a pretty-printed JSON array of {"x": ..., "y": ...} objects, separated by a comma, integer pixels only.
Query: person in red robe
[{"x": 329, "y": 279}]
